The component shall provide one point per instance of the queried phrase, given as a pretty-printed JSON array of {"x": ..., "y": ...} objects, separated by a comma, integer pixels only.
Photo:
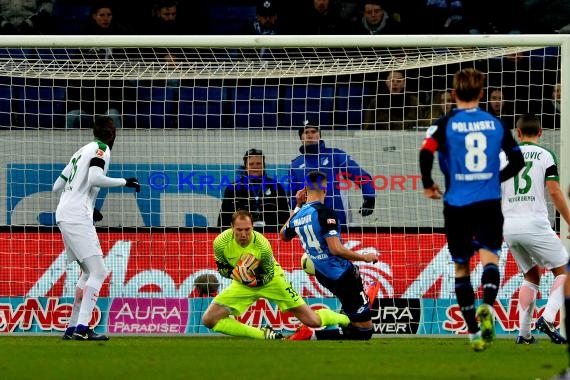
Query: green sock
[
  {"x": 232, "y": 327},
  {"x": 329, "y": 318}
]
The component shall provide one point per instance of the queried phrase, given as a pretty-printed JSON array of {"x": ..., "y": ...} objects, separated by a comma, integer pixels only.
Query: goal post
[{"x": 189, "y": 107}]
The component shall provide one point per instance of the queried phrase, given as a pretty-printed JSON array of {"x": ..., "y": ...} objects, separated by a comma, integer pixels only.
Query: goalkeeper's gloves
[
  {"x": 97, "y": 216},
  {"x": 134, "y": 183},
  {"x": 367, "y": 206},
  {"x": 244, "y": 271}
]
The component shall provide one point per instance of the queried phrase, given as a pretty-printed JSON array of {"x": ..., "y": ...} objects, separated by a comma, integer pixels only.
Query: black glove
[
  {"x": 97, "y": 216},
  {"x": 134, "y": 183},
  {"x": 367, "y": 206}
]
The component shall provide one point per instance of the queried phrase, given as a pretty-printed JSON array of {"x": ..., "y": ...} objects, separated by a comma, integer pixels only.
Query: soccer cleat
[
  {"x": 486, "y": 323},
  {"x": 523, "y": 340},
  {"x": 302, "y": 333},
  {"x": 271, "y": 334},
  {"x": 85, "y": 333},
  {"x": 548, "y": 329},
  {"x": 372, "y": 292},
  {"x": 68, "y": 334}
]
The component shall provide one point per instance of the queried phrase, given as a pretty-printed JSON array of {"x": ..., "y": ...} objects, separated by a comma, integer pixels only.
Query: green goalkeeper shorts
[{"x": 239, "y": 297}]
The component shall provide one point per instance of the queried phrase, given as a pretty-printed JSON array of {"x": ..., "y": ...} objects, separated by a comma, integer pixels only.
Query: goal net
[{"x": 189, "y": 109}]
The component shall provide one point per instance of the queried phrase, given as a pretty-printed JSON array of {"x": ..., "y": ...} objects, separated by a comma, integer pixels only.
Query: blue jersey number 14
[{"x": 308, "y": 238}]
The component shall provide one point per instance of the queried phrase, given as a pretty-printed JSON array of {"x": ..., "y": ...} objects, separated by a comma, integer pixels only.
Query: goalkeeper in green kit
[{"x": 245, "y": 256}]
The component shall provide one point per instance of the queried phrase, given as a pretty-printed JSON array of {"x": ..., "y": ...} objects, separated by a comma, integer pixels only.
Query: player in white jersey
[
  {"x": 79, "y": 183},
  {"x": 527, "y": 230}
]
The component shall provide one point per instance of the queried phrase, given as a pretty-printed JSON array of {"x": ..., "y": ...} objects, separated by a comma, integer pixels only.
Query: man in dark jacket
[{"x": 264, "y": 197}]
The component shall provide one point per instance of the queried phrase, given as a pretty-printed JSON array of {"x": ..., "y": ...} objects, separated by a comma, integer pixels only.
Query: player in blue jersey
[
  {"x": 337, "y": 165},
  {"x": 318, "y": 229},
  {"x": 469, "y": 141}
]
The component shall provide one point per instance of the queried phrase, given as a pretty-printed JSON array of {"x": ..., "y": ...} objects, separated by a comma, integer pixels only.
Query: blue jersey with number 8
[{"x": 469, "y": 143}]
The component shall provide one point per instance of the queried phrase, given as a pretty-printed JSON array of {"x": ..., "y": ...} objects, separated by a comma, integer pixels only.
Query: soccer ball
[{"x": 307, "y": 264}]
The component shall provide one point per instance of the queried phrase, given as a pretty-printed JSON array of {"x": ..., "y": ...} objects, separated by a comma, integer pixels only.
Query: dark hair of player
[
  {"x": 529, "y": 125},
  {"x": 315, "y": 180},
  {"x": 104, "y": 129}
]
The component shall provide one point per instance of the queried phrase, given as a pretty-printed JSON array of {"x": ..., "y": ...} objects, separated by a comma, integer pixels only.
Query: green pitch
[{"x": 169, "y": 358}]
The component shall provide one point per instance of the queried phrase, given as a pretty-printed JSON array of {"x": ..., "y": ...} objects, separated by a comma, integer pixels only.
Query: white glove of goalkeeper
[{"x": 244, "y": 271}]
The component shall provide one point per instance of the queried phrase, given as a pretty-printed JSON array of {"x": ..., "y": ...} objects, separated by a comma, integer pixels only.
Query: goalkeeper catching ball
[{"x": 246, "y": 256}]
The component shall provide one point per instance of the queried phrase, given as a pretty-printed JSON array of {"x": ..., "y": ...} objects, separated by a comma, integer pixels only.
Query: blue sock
[
  {"x": 466, "y": 300},
  {"x": 490, "y": 279},
  {"x": 81, "y": 328}
]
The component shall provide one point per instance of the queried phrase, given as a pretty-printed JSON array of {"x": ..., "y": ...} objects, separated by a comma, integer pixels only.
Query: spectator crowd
[
  {"x": 288, "y": 17},
  {"x": 396, "y": 100}
]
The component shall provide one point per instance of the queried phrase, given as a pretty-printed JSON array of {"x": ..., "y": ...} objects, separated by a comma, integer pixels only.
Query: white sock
[
  {"x": 555, "y": 299},
  {"x": 76, "y": 307},
  {"x": 527, "y": 300},
  {"x": 90, "y": 296}
]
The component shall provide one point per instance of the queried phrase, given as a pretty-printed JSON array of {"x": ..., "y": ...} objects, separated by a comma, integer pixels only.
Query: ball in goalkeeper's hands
[
  {"x": 249, "y": 261},
  {"x": 244, "y": 270},
  {"x": 307, "y": 264}
]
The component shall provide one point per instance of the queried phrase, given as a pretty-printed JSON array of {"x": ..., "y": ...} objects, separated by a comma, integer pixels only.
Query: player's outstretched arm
[
  {"x": 337, "y": 249},
  {"x": 98, "y": 178},
  {"x": 559, "y": 201}
]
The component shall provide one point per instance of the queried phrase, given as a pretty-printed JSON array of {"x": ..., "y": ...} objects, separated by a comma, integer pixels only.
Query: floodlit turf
[{"x": 134, "y": 358}]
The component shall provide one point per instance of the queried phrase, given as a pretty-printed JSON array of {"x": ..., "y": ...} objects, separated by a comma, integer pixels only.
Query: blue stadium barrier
[
  {"x": 298, "y": 101},
  {"x": 5, "y": 104},
  {"x": 39, "y": 105},
  {"x": 50, "y": 55},
  {"x": 201, "y": 107},
  {"x": 349, "y": 104},
  {"x": 255, "y": 106},
  {"x": 155, "y": 106},
  {"x": 15, "y": 53}
]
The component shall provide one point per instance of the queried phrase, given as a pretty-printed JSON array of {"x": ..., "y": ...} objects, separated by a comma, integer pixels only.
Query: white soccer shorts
[
  {"x": 541, "y": 246},
  {"x": 80, "y": 240}
]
